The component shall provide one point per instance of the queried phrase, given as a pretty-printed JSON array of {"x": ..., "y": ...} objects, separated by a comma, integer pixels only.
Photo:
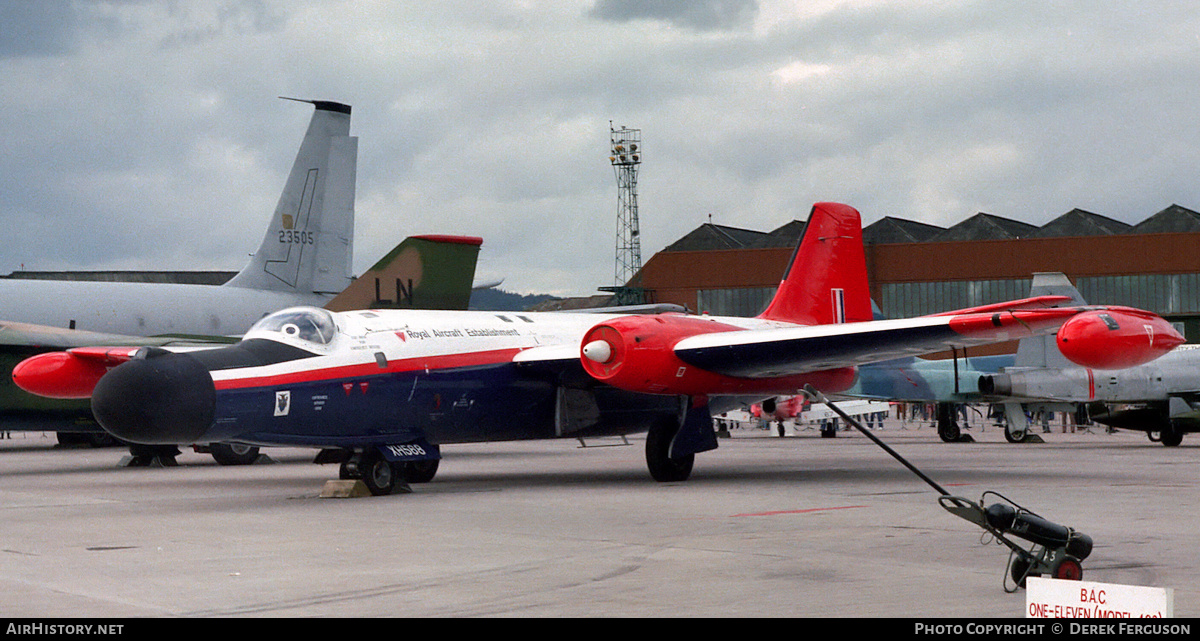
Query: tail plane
[
  {"x": 308, "y": 247},
  {"x": 826, "y": 280}
]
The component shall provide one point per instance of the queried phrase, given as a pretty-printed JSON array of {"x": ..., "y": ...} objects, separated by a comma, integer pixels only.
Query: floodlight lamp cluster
[{"x": 622, "y": 155}]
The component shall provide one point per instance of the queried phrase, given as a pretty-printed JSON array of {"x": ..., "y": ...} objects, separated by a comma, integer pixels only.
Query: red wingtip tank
[
  {"x": 68, "y": 375},
  {"x": 1116, "y": 338}
]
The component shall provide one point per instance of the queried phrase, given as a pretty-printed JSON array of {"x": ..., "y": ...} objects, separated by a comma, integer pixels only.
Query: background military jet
[{"x": 1161, "y": 398}]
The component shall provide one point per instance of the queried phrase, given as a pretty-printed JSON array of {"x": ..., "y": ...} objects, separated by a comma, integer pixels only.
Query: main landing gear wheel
[
  {"x": 947, "y": 427},
  {"x": 233, "y": 453},
  {"x": 1170, "y": 436},
  {"x": 663, "y": 468}
]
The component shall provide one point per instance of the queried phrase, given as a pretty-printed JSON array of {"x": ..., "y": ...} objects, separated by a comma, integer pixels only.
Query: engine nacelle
[
  {"x": 1070, "y": 384},
  {"x": 637, "y": 353},
  {"x": 1116, "y": 338}
]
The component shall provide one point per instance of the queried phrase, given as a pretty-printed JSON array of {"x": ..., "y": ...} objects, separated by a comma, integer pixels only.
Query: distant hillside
[{"x": 498, "y": 300}]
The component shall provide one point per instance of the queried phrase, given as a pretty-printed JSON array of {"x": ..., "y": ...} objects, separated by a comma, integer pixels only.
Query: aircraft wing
[
  {"x": 789, "y": 351},
  {"x": 694, "y": 355},
  {"x": 548, "y": 353},
  {"x": 33, "y": 337},
  {"x": 73, "y": 360}
]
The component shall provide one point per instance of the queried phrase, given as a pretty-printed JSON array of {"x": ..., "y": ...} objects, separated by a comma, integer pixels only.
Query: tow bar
[{"x": 1057, "y": 551}]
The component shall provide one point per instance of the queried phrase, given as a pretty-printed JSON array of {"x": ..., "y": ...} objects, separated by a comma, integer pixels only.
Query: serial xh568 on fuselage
[{"x": 386, "y": 388}]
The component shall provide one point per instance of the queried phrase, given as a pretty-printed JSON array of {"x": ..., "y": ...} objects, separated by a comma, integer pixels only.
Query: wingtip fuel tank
[{"x": 1116, "y": 338}]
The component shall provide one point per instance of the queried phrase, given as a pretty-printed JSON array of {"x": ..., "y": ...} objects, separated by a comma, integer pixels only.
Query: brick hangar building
[{"x": 917, "y": 269}]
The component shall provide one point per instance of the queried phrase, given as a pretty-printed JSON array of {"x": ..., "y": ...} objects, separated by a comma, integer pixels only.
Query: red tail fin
[{"x": 826, "y": 281}]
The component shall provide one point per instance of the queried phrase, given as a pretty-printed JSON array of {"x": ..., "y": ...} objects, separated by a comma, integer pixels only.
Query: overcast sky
[{"x": 148, "y": 135}]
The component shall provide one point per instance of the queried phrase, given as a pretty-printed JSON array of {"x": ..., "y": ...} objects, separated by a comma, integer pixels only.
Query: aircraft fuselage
[
  {"x": 378, "y": 378},
  {"x": 142, "y": 309}
]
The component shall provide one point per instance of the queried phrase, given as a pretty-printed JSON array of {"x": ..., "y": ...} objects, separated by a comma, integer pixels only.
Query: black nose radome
[{"x": 162, "y": 399}]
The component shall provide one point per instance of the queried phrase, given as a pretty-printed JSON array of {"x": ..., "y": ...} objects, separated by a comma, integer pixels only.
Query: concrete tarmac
[{"x": 766, "y": 527}]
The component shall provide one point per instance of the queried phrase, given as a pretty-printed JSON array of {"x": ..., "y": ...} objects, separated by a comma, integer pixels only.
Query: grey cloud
[
  {"x": 37, "y": 28},
  {"x": 710, "y": 15}
]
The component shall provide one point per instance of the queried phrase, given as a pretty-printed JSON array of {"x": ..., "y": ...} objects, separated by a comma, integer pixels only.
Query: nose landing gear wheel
[
  {"x": 381, "y": 476},
  {"x": 1016, "y": 436},
  {"x": 378, "y": 475}
]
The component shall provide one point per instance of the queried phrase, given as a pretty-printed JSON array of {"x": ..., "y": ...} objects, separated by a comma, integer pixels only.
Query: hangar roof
[
  {"x": 1173, "y": 219},
  {"x": 1078, "y": 222},
  {"x": 983, "y": 226},
  {"x": 710, "y": 236},
  {"x": 898, "y": 230}
]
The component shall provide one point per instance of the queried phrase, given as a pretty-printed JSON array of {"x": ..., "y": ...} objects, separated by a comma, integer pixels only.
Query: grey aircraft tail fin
[
  {"x": 309, "y": 244},
  {"x": 1042, "y": 351}
]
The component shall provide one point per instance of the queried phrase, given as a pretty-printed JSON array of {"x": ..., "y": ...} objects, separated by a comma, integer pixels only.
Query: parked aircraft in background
[
  {"x": 304, "y": 259},
  {"x": 383, "y": 389},
  {"x": 799, "y": 408},
  {"x": 780, "y": 408},
  {"x": 947, "y": 383},
  {"x": 423, "y": 272},
  {"x": 1161, "y": 398},
  {"x": 950, "y": 383}
]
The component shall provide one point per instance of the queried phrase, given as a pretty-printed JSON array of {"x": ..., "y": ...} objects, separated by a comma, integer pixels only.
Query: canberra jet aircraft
[{"x": 386, "y": 388}]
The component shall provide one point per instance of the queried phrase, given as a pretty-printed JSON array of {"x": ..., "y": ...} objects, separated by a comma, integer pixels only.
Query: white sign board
[{"x": 1061, "y": 599}]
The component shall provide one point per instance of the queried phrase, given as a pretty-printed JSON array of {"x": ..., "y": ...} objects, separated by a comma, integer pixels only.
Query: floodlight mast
[{"x": 625, "y": 154}]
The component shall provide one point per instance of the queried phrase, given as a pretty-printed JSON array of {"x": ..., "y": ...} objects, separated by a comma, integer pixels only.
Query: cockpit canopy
[{"x": 310, "y": 324}]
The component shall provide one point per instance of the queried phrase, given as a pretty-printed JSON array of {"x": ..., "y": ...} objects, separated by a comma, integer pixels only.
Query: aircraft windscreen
[{"x": 309, "y": 323}]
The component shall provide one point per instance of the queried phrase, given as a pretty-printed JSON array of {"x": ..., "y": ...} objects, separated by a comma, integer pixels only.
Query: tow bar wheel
[
  {"x": 1069, "y": 569},
  {"x": 1019, "y": 571}
]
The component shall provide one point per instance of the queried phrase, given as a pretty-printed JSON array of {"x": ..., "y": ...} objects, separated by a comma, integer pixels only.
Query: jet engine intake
[
  {"x": 637, "y": 354},
  {"x": 165, "y": 398}
]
